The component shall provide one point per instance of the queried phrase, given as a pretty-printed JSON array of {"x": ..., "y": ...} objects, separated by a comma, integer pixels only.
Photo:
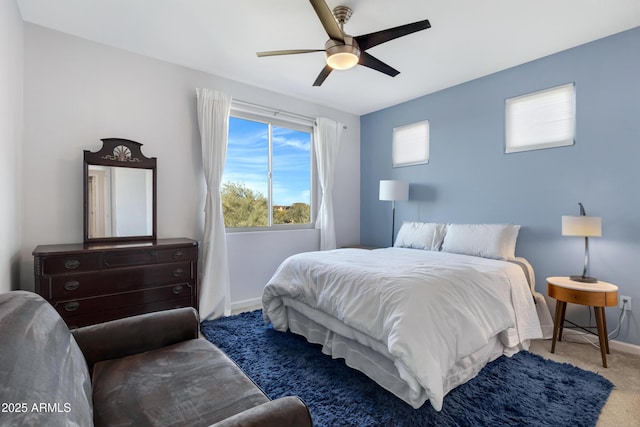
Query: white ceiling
[{"x": 468, "y": 39}]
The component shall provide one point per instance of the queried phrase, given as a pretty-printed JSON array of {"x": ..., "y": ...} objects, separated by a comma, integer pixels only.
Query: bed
[{"x": 419, "y": 318}]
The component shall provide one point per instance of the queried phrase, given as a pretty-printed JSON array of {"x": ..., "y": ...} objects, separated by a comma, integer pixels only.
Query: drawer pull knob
[
  {"x": 178, "y": 272},
  {"x": 177, "y": 255},
  {"x": 71, "y": 264},
  {"x": 176, "y": 290},
  {"x": 72, "y": 285},
  {"x": 72, "y": 306}
]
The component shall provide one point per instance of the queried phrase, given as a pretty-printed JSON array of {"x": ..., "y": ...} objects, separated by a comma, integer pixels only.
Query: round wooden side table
[{"x": 597, "y": 295}]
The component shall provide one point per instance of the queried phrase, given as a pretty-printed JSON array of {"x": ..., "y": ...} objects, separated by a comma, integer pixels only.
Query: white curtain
[
  {"x": 213, "y": 122},
  {"x": 327, "y": 134}
]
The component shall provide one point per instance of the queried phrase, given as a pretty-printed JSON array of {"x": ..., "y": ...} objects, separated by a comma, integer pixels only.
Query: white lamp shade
[
  {"x": 394, "y": 190},
  {"x": 584, "y": 226}
]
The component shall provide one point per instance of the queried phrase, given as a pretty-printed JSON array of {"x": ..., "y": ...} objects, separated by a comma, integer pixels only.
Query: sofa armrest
[
  {"x": 287, "y": 411},
  {"x": 136, "y": 334}
]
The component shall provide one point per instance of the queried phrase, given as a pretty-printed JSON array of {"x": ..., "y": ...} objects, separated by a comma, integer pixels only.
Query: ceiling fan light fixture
[
  {"x": 342, "y": 61},
  {"x": 342, "y": 56}
]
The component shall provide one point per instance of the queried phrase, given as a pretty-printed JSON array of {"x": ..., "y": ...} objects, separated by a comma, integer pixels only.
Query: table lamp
[
  {"x": 583, "y": 226},
  {"x": 393, "y": 190}
]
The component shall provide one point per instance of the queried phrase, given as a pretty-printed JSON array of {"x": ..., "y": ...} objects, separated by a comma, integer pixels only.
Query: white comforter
[{"x": 429, "y": 309}]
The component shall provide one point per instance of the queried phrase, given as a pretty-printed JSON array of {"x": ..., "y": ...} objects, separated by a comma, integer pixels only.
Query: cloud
[{"x": 291, "y": 138}]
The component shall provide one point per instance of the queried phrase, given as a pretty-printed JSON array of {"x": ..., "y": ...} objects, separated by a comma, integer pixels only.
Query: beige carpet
[{"x": 623, "y": 407}]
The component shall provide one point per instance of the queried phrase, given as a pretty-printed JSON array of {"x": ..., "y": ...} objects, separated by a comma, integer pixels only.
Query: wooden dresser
[{"x": 96, "y": 282}]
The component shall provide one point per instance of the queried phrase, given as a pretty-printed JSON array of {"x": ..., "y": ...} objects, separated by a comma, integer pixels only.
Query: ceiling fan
[{"x": 344, "y": 51}]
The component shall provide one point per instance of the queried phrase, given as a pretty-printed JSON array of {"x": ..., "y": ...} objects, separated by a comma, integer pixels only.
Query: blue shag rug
[{"x": 525, "y": 389}]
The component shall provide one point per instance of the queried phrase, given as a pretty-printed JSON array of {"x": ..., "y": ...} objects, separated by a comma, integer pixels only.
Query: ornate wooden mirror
[{"x": 119, "y": 193}]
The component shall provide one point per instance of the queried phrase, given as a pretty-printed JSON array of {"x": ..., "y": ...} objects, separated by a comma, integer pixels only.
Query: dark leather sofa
[{"x": 145, "y": 370}]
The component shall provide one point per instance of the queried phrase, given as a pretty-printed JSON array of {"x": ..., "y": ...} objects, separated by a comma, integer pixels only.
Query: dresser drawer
[
  {"x": 189, "y": 253},
  {"x": 120, "y": 312},
  {"x": 146, "y": 257},
  {"x": 83, "y": 285},
  {"x": 83, "y": 306},
  {"x": 127, "y": 258},
  {"x": 62, "y": 264}
]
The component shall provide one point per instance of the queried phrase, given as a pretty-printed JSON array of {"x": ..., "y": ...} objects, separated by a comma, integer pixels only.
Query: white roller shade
[
  {"x": 541, "y": 119},
  {"x": 411, "y": 144}
]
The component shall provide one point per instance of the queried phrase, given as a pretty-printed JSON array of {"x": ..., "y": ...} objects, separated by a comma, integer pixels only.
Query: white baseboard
[
  {"x": 620, "y": 346},
  {"x": 624, "y": 347},
  {"x": 246, "y": 305}
]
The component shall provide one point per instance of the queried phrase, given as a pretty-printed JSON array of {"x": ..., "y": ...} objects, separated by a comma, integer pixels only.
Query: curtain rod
[{"x": 275, "y": 111}]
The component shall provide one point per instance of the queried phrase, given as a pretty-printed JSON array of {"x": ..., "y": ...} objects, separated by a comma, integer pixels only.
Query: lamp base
[{"x": 584, "y": 279}]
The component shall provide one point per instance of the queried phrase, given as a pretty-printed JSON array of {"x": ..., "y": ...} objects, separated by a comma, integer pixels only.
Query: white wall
[
  {"x": 11, "y": 52},
  {"x": 77, "y": 91}
]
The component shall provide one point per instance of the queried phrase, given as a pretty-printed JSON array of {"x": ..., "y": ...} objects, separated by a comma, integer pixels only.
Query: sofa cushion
[
  {"x": 42, "y": 368},
  {"x": 191, "y": 383}
]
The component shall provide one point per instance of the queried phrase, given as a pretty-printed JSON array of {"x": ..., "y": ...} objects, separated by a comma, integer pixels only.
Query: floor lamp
[
  {"x": 393, "y": 190},
  {"x": 583, "y": 226}
]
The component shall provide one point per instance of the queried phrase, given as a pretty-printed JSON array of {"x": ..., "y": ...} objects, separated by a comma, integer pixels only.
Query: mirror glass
[{"x": 120, "y": 202}]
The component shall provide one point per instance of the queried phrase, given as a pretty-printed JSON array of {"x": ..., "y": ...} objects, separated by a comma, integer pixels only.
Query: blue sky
[{"x": 247, "y": 160}]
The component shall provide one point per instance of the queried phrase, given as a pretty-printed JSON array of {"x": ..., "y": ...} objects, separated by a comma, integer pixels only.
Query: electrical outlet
[{"x": 622, "y": 300}]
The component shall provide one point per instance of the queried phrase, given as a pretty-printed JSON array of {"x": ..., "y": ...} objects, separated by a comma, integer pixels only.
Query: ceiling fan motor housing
[
  {"x": 342, "y": 56},
  {"x": 342, "y": 14}
]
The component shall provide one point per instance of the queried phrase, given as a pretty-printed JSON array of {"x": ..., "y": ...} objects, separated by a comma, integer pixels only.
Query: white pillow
[
  {"x": 496, "y": 241},
  {"x": 420, "y": 235}
]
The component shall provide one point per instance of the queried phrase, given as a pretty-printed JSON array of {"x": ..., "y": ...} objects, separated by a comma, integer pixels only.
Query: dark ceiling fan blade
[
  {"x": 323, "y": 75},
  {"x": 328, "y": 21},
  {"x": 367, "y": 41},
  {"x": 375, "y": 64},
  {"x": 287, "y": 52}
]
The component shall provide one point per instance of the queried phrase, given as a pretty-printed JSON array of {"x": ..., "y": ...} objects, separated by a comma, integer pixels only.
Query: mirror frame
[{"x": 111, "y": 155}]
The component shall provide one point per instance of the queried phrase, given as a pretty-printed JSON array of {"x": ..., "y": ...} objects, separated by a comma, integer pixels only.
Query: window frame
[
  {"x": 509, "y": 126},
  {"x": 267, "y": 116}
]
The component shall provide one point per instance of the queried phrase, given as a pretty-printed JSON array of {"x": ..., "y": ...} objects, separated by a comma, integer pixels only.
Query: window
[
  {"x": 411, "y": 144},
  {"x": 267, "y": 179},
  {"x": 541, "y": 119}
]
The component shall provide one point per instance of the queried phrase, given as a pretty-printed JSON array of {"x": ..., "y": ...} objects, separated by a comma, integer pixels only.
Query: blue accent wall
[{"x": 469, "y": 178}]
